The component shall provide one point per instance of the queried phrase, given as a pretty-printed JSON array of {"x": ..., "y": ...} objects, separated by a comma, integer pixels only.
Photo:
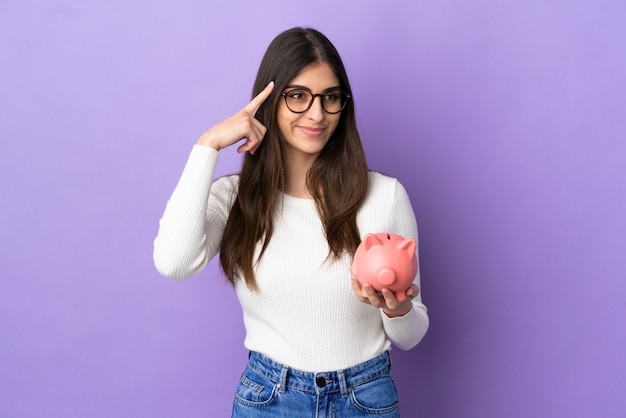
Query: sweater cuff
[
  {"x": 407, "y": 331},
  {"x": 204, "y": 153},
  {"x": 200, "y": 166}
]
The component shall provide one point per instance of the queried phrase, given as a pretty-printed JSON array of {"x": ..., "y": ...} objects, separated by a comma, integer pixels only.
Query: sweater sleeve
[
  {"x": 408, "y": 330},
  {"x": 192, "y": 225}
]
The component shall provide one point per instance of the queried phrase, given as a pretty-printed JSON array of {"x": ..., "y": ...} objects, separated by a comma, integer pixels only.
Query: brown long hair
[{"x": 337, "y": 180}]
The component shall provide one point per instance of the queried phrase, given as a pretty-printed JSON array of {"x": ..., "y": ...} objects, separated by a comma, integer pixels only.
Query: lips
[{"x": 307, "y": 130}]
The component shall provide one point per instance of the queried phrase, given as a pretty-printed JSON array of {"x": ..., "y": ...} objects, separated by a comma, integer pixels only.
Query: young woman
[{"x": 286, "y": 229}]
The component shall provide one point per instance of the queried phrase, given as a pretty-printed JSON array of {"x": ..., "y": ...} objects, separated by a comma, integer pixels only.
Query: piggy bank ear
[
  {"x": 408, "y": 245},
  {"x": 370, "y": 241}
]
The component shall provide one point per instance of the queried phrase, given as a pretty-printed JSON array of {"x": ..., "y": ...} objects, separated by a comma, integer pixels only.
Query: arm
[
  {"x": 190, "y": 231},
  {"x": 405, "y": 322},
  {"x": 192, "y": 226}
]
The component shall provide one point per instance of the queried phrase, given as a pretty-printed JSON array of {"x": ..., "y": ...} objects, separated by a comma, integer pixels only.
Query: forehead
[{"x": 318, "y": 76}]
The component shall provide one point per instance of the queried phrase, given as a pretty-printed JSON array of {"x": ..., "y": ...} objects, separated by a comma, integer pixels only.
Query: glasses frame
[{"x": 313, "y": 96}]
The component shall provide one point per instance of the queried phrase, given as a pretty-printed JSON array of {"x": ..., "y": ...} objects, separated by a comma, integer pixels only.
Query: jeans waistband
[{"x": 323, "y": 382}]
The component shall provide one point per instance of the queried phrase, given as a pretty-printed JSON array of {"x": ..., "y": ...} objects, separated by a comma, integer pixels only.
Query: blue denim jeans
[{"x": 270, "y": 389}]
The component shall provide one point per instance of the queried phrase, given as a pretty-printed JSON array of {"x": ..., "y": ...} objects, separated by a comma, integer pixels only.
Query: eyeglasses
[{"x": 300, "y": 99}]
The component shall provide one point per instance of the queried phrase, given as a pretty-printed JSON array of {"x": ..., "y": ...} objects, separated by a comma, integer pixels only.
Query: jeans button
[{"x": 320, "y": 382}]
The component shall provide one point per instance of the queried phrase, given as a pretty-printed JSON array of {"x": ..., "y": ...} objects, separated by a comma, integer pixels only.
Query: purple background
[{"x": 504, "y": 119}]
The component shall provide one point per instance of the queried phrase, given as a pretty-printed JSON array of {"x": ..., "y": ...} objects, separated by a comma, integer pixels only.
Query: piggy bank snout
[{"x": 386, "y": 276}]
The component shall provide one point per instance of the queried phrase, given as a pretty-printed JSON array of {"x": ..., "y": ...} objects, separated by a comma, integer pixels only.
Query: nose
[{"x": 316, "y": 111}]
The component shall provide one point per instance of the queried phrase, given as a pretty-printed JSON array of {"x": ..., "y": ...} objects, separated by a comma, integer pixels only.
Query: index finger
[{"x": 258, "y": 100}]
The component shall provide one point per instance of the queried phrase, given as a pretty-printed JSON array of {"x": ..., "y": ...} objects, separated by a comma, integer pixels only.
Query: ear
[
  {"x": 370, "y": 241},
  {"x": 409, "y": 246}
]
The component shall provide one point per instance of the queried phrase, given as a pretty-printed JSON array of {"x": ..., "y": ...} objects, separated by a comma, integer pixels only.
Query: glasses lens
[
  {"x": 333, "y": 101},
  {"x": 298, "y": 100}
]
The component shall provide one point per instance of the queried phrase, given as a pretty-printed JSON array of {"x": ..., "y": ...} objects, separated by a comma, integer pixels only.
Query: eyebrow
[{"x": 297, "y": 86}]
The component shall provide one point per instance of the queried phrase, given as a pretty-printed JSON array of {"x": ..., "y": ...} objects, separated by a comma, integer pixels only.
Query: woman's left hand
[{"x": 385, "y": 299}]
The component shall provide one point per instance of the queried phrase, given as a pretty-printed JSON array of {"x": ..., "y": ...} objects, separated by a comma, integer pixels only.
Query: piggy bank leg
[{"x": 400, "y": 296}]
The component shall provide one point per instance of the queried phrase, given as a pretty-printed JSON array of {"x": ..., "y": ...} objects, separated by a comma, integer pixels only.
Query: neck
[{"x": 296, "y": 170}]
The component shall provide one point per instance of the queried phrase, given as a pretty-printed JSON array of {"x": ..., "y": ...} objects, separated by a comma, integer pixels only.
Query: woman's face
[{"x": 305, "y": 134}]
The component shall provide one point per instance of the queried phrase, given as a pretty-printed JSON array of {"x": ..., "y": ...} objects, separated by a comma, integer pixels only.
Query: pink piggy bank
[{"x": 386, "y": 260}]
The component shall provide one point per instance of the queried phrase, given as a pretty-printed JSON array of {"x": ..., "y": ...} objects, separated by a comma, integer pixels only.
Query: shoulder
[
  {"x": 229, "y": 182},
  {"x": 387, "y": 207},
  {"x": 387, "y": 191},
  {"x": 380, "y": 178},
  {"x": 382, "y": 184}
]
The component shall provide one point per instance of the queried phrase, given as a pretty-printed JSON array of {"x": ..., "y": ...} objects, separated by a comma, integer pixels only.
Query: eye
[
  {"x": 297, "y": 95},
  {"x": 333, "y": 96}
]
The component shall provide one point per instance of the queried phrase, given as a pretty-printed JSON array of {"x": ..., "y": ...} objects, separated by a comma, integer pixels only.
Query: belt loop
[
  {"x": 343, "y": 386},
  {"x": 282, "y": 383}
]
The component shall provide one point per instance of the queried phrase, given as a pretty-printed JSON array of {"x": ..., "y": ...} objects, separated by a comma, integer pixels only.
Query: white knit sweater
[{"x": 305, "y": 315}]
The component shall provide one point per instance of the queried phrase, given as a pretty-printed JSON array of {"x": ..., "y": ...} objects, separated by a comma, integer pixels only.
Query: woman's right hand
[{"x": 241, "y": 125}]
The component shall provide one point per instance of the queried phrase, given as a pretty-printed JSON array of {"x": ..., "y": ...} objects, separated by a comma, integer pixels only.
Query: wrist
[
  {"x": 400, "y": 311},
  {"x": 208, "y": 140}
]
